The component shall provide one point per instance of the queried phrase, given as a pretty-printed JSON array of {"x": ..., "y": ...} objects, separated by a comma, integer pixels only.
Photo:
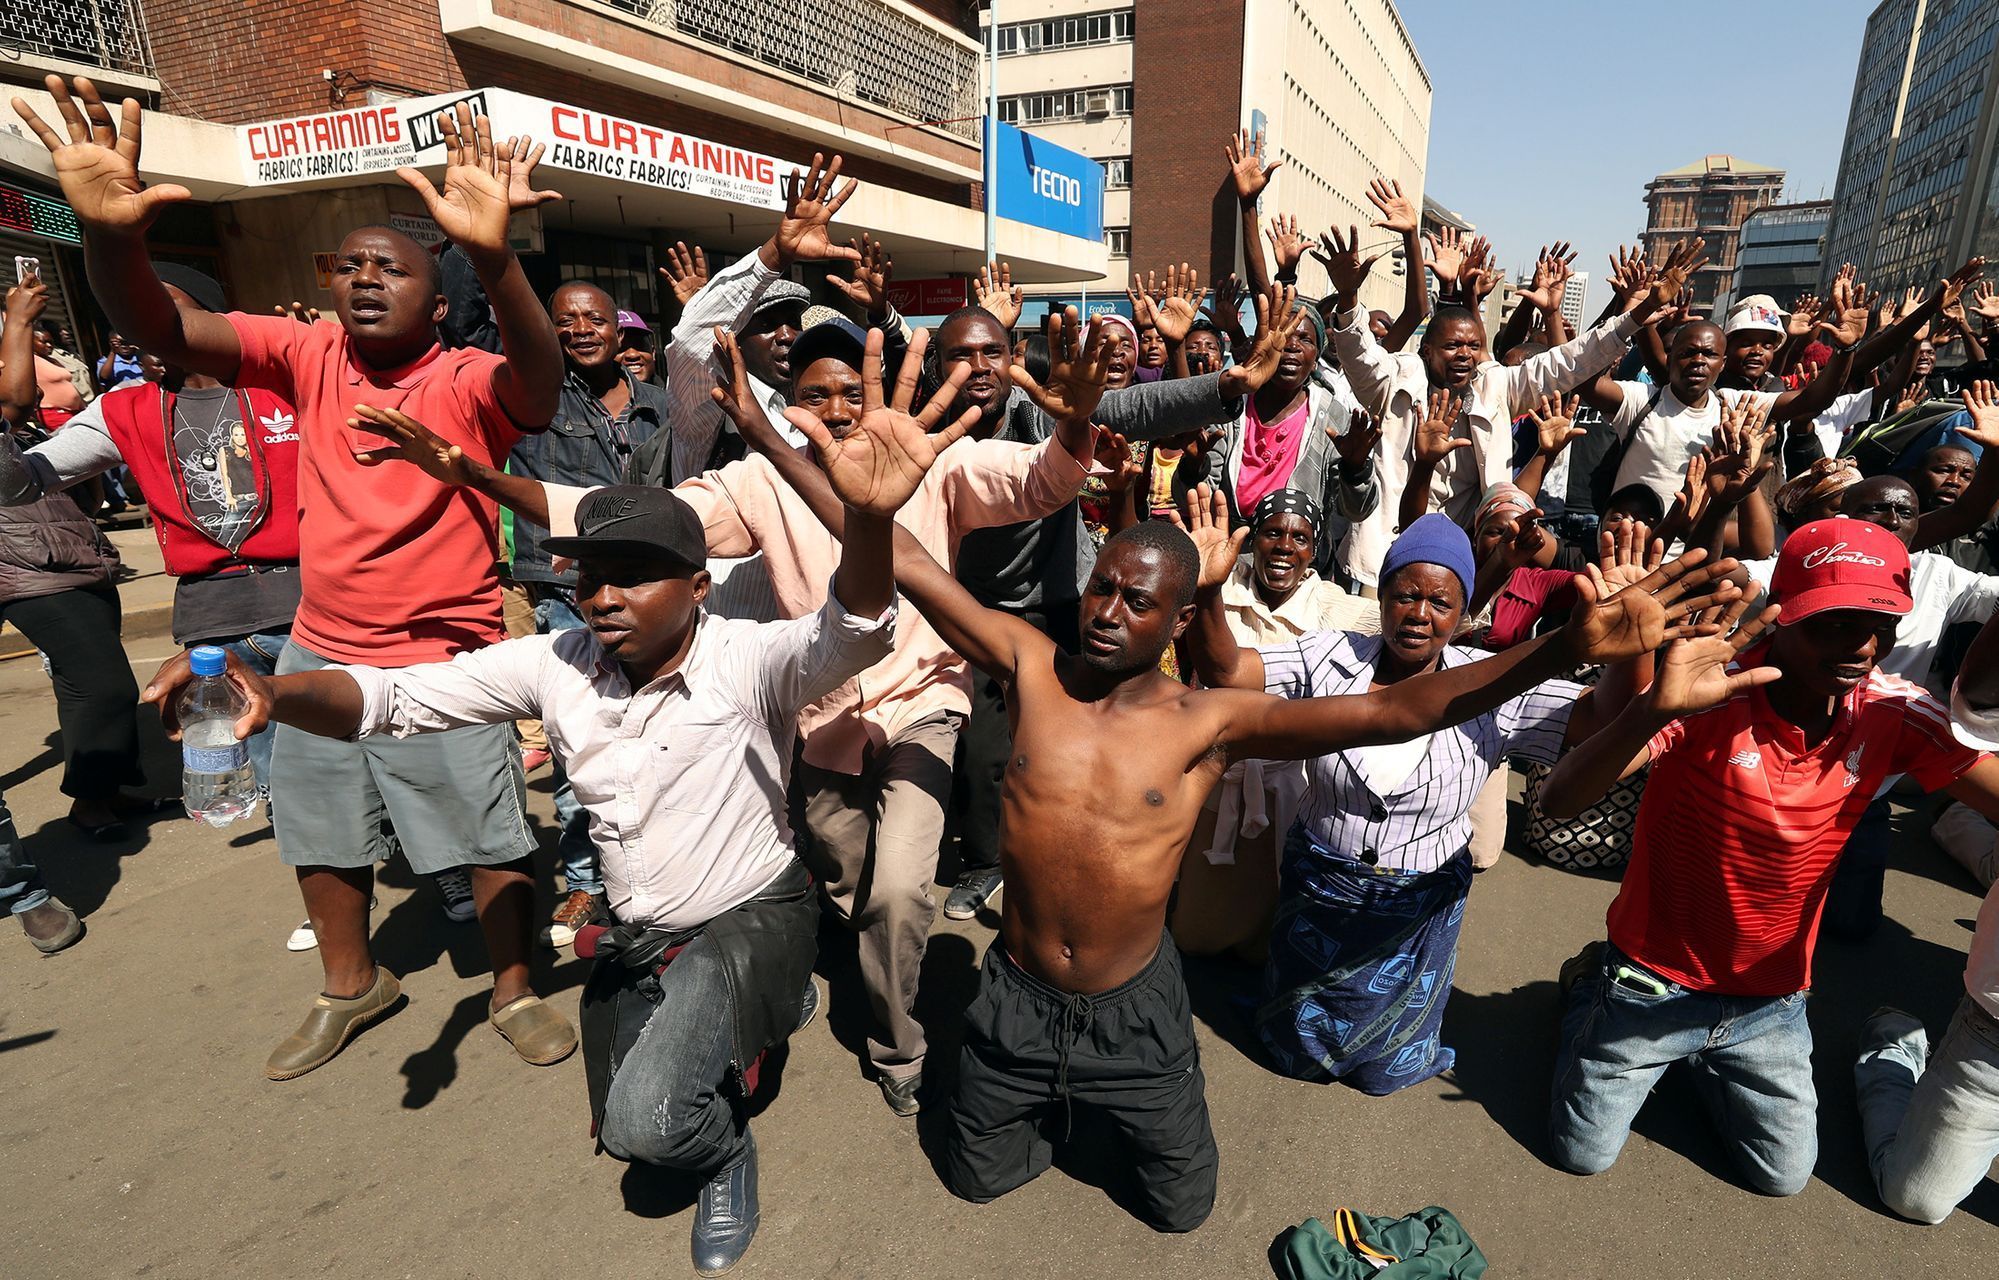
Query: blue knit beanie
[{"x": 1434, "y": 539}]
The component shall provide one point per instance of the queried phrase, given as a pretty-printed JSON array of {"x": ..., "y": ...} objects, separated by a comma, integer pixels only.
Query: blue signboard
[{"x": 1047, "y": 186}]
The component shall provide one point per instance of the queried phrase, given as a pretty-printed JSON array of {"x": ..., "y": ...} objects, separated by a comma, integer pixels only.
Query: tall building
[
  {"x": 1573, "y": 298},
  {"x": 1917, "y": 190},
  {"x": 1780, "y": 253},
  {"x": 1154, "y": 90},
  {"x": 665, "y": 120},
  {"x": 1708, "y": 198}
]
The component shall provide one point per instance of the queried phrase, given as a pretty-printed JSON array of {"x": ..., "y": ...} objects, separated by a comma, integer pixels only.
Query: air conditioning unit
[{"x": 1097, "y": 105}]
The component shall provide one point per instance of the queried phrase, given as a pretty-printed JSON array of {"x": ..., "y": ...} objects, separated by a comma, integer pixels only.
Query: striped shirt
[
  {"x": 1743, "y": 820},
  {"x": 1422, "y": 821}
]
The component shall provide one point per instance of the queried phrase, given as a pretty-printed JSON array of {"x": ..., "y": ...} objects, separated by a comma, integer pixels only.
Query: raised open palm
[
  {"x": 810, "y": 201},
  {"x": 1206, "y": 520},
  {"x": 877, "y": 465},
  {"x": 98, "y": 168},
  {"x": 1078, "y": 364},
  {"x": 1694, "y": 675},
  {"x": 473, "y": 207},
  {"x": 1612, "y": 626}
]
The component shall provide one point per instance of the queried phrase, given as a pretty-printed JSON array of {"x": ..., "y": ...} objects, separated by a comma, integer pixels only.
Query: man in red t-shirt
[
  {"x": 1757, "y": 779},
  {"x": 393, "y": 574}
]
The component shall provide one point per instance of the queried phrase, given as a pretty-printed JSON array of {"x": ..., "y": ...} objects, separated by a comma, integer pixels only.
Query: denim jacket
[{"x": 585, "y": 446}]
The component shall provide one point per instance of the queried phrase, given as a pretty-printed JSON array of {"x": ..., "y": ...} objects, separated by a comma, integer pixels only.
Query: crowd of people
[{"x": 1218, "y": 629}]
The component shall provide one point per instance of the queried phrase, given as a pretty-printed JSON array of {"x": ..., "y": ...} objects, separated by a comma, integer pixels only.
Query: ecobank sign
[{"x": 1047, "y": 186}]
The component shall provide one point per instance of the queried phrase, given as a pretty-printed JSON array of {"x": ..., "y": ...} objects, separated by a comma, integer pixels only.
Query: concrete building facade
[
  {"x": 1709, "y": 198},
  {"x": 1918, "y": 191},
  {"x": 1155, "y": 90}
]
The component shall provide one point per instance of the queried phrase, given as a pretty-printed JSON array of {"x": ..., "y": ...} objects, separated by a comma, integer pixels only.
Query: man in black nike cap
[{"x": 676, "y": 728}]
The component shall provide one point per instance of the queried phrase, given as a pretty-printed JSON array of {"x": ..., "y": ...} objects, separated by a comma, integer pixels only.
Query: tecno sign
[{"x": 1052, "y": 185}]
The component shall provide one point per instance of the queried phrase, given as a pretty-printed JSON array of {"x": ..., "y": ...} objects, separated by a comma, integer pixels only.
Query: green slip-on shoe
[
  {"x": 331, "y": 1024},
  {"x": 536, "y": 1031}
]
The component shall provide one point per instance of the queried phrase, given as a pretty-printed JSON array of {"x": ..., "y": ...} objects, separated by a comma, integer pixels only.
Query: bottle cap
[{"x": 207, "y": 660}]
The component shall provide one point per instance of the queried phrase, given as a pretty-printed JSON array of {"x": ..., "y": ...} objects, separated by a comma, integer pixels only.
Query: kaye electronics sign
[
  {"x": 579, "y": 140},
  {"x": 1046, "y": 186}
]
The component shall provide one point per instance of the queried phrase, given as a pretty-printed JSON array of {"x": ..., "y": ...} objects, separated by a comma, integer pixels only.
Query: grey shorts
[{"x": 455, "y": 799}]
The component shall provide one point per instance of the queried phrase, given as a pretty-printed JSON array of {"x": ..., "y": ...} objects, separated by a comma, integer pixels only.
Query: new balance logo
[{"x": 1747, "y": 759}]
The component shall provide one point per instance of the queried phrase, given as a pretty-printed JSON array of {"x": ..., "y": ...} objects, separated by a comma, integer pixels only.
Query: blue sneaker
[{"x": 726, "y": 1215}]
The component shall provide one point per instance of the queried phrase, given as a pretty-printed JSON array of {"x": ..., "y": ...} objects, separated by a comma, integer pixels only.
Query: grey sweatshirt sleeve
[
  {"x": 1353, "y": 501},
  {"x": 82, "y": 449},
  {"x": 1155, "y": 410}
]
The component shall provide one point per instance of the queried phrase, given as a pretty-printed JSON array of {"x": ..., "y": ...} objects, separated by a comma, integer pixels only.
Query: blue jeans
[
  {"x": 1931, "y": 1127},
  {"x": 21, "y": 887},
  {"x": 666, "y": 1105},
  {"x": 553, "y": 613},
  {"x": 259, "y": 652},
  {"x": 1752, "y": 1063}
]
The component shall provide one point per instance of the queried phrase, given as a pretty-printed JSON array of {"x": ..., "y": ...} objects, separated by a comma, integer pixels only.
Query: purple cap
[{"x": 633, "y": 320}]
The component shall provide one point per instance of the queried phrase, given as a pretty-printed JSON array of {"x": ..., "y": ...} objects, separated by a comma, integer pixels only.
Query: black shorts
[{"x": 1125, "y": 1056}]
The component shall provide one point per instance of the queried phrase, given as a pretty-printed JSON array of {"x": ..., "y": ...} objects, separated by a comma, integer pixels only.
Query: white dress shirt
[{"x": 684, "y": 779}]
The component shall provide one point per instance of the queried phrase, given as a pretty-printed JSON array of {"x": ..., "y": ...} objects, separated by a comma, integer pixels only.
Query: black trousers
[
  {"x": 1036, "y": 1058},
  {"x": 986, "y": 742},
  {"x": 97, "y": 700}
]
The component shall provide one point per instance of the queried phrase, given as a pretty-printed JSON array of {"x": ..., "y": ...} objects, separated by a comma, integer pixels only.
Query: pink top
[
  {"x": 1269, "y": 453},
  {"x": 747, "y": 507}
]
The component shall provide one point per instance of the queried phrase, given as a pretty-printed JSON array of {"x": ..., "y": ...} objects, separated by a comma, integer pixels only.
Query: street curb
[{"x": 139, "y": 624}]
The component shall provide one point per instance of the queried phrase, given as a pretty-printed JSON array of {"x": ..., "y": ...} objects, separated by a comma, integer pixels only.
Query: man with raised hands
[{"x": 390, "y": 575}]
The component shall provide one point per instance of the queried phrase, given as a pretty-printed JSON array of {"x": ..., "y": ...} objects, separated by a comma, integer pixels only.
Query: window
[
  {"x": 1117, "y": 171},
  {"x": 1065, "y": 33},
  {"x": 1119, "y": 241},
  {"x": 1063, "y": 104}
]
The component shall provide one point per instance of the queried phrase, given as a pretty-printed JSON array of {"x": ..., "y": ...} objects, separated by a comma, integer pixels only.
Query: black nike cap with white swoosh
[{"x": 634, "y": 520}]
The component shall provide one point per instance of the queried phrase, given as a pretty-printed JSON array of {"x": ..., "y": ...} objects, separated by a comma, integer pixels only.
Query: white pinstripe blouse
[{"x": 1420, "y": 822}]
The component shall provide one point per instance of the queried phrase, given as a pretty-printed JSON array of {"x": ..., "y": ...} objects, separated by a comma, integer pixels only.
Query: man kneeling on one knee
[{"x": 676, "y": 731}]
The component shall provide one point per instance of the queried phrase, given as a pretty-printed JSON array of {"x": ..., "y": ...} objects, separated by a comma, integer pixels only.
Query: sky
[{"x": 1549, "y": 117}]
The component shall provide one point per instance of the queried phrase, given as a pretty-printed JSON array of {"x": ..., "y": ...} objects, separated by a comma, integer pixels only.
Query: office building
[
  {"x": 1154, "y": 91},
  {"x": 1916, "y": 192},
  {"x": 1708, "y": 198},
  {"x": 664, "y": 122},
  {"x": 1780, "y": 254}
]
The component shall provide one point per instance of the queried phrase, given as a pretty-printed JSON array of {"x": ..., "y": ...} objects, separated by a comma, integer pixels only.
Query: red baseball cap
[{"x": 1842, "y": 564}]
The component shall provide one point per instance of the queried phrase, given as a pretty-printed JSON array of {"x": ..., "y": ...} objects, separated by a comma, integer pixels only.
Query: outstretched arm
[
  {"x": 473, "y": 211},
  {"x": 1693, "y": 677},
  {"x": 1975, "y": 505},
  {"x": 1398, "y": 214},
  {"x": 1606, "y": 627},
  {"x": 98, "y": 170},
  {"x": 443, "y": 461}
]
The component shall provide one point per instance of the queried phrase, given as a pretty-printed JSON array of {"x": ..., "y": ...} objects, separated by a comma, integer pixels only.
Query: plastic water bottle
[{"x": 217, "y": 784}]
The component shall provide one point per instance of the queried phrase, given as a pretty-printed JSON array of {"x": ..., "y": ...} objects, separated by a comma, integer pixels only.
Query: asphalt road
[{"x": 141, "y": 1139}]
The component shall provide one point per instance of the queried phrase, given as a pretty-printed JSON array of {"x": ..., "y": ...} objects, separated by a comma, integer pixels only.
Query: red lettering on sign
[{"x": 559, "y": 124}]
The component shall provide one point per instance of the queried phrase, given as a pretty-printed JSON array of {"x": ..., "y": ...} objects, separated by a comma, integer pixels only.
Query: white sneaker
[
  {"x": 304, "y": 939},
  {"x": 456, "y": 886}
]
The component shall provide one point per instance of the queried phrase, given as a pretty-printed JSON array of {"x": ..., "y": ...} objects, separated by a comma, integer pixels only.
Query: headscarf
[
  {"x": 1434, "y": 539},
  {"x": 1113, "y": 319},
  {"x": 1825, "y": 478},
  {"x": 1316, "y": 321},
  {"x": 1286, "y": 502},
  {"x": 1504, "y": 496}
]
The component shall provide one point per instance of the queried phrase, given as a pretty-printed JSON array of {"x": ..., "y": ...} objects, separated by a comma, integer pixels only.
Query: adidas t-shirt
[{"x": 1741, "y": 823}]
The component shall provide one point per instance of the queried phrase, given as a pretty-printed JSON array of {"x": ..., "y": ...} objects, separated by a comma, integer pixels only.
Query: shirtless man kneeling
[{"x": 1081, "y": 1005}]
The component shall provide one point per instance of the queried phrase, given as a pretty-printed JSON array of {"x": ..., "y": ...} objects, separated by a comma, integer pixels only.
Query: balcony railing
[
  {"x": 860, "y": 49},
  {"x": 99, "y": 33}
]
